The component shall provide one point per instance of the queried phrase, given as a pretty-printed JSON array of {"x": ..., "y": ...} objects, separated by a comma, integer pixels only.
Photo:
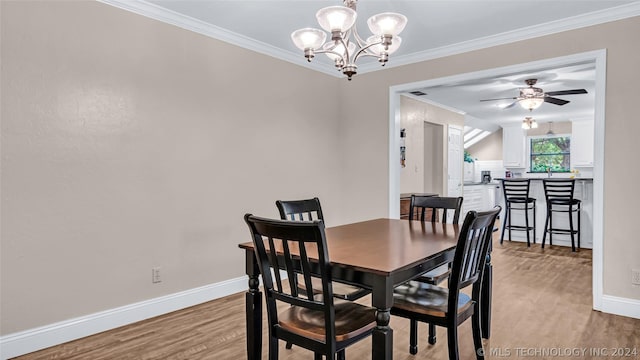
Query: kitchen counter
[
  {"x": 544, "y": 177},
  {"x": 583, "y": 191},
  {"x": 474, "y": 183}
]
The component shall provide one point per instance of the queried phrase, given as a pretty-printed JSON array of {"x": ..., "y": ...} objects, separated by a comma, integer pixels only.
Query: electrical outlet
[
  {"x": 155, "y": 275},
  {"x": 635, "y": 276}
]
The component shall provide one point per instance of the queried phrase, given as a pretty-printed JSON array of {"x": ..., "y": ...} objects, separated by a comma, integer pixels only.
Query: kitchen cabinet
[
  {"x": 582, "y": 139},
  {"x": 405, "y": 203},
  {"x": 479, "y": 197},
  {"x": 474, "y": 198},
  {"x": 513, "y": 146}
]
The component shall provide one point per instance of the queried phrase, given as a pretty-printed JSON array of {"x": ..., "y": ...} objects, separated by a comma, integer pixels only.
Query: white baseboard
[
  {"x": 31, "y": 340},
  {"x": 621, "y": 306}
]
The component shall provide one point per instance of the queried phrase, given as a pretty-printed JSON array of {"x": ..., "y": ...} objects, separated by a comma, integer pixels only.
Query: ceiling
[
  {"x": 464, "y": 97},
  {"x": 435, "y": 28}
]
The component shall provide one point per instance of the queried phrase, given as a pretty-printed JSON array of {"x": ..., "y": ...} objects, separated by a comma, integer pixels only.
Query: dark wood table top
[{"x": 385, "y": 246}]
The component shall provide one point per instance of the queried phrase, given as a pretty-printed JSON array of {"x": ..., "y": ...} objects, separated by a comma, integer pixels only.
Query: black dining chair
[
  {"x": 314, "y": 320},
  {"x": 309, "y": 210},
  {"x": 420, "y": 204},
  {"x": 449, "y": 307},
  {"x": 418, "y": 208}
]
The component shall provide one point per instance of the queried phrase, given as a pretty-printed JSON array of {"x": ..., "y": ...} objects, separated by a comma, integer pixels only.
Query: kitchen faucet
[{"x": 548, "y": 171}]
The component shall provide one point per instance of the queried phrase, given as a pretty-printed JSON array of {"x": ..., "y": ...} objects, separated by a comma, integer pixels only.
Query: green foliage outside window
[{"x": 551, "y": 152}]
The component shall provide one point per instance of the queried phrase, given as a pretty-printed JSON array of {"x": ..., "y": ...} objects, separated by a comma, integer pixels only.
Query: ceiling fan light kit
[
  {"x": 531, "y": 103},
  {"x": 346, "y": 45},
  {"x": 531, "y": 97}
]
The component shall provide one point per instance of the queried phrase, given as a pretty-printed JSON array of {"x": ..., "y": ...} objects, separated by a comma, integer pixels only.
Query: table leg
[
  {"x": 253, "y": 301},
  {"x": 382, "y": 336}
]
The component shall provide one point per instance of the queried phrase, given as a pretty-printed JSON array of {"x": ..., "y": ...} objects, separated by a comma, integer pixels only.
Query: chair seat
[
  {"x": 352, "y": 319},
  {"x": 435, "y": 276},
  {"x": 521, "y": 200},
  {"x": 564, "y": 201},
  {"x": 427, "y": 299},
  {"x": 340, "y": 290}
]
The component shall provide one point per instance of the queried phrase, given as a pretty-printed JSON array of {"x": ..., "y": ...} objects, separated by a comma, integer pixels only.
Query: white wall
[{"x": 413, "y": 115}]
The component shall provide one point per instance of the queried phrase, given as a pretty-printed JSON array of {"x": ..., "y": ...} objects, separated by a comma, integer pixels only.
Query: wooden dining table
[{"x": 376, "y": 254}]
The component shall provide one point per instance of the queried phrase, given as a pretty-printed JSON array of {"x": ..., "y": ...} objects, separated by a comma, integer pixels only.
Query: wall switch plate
[
  {"x": 155, "y": 275},
  {"x": 635, "y": 276}
]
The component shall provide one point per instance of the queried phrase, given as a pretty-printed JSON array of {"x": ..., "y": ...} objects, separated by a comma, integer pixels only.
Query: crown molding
[
  {"x": 530, "y": 32},
  {"x": 171, "y": 17},
  {"x": 144, "y": 8}
]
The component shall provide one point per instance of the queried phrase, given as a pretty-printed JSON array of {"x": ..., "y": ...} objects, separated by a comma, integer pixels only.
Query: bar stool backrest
[
  {"x": 516, "y": 188},
  {"x": 558, "y": 189}
]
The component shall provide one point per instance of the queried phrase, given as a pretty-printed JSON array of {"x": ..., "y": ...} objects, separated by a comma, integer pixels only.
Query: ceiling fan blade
[
  {"x": 509, "y": 98},
  {"x": 556, "y": 101},
  {"x": 567, "y": 92},
  {"x": 511, "y": 105}
]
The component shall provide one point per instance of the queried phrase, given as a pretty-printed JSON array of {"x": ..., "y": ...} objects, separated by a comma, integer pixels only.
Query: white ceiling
[
  {"x": 465, "y": 96},
  {"x": 435, "y": 28}
]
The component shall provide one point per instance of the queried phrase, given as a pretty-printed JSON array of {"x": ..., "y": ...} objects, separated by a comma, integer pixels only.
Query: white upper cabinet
[
  {"x": 582, "y": 139},
  {"x": 513, "y": 146}
]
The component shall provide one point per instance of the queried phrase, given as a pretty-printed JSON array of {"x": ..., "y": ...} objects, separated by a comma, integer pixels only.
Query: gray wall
[{"x": 128, "y": 144}]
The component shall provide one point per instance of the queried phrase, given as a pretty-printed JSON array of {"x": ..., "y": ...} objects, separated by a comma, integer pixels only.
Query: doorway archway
[{"x": 598, "y": 57}]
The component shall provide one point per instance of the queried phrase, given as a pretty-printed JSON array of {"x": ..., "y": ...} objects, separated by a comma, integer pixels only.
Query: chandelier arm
[
  {"x": 329, "y": 52},
  {"x": 369, "y": 54},
  {"x": 346, "y": 50},
  {"x": 364, "y": 50}
]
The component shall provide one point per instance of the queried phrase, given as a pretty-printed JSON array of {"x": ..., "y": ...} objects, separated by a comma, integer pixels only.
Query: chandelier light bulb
[
  {"x": 390, "y": 24},
  {"x": 332, "y": 48},
  {"x": 336, "y": 18},
  {"x": 308, "y": 38}
]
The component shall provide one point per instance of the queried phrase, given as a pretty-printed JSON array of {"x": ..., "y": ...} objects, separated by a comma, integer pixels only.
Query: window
[{"x": 552, "y": 152}]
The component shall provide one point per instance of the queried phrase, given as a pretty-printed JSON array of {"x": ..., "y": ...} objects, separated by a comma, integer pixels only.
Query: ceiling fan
[{"x": 532, "y": 97}]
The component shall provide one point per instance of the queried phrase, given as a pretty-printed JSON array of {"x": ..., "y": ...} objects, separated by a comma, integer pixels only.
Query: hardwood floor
[{"x": 541, "y": 310}]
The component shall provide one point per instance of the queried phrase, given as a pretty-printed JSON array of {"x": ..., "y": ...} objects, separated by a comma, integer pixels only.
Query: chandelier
[
  {"x": 346, "y": 45},
  {"x": 529, "y": 123}
]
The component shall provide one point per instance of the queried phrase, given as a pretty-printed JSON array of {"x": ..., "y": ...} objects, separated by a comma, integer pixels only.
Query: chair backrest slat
[
  {"x": 306, "y": 270},
  {"x": 273, "y": 261},
  {"x": 435, "y": 203},
  {"x": 291, "y": 275}
]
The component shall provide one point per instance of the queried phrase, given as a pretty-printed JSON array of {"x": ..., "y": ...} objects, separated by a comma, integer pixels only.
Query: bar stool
[
  {"x": 559, "y": 196},
  {"x": 516, "y": 192}
]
